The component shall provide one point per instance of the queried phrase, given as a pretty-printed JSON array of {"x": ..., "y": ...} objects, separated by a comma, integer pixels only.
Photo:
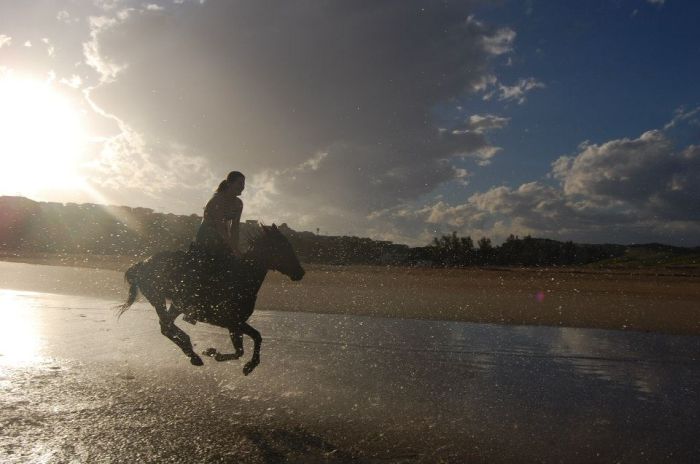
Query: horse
[{"x": 217, "y": 290}]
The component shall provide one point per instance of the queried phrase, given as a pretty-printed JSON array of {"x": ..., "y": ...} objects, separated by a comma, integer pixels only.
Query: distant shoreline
[{"x": 643, "y": 299}]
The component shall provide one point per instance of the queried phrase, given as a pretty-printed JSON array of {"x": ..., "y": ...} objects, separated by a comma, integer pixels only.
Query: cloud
[
  {"x": 55, "y": 38},
  {"x": 483, "y": 84},
  {"x": 484, "y": 123},
  {"x": 65, "y": 17},
  {"x": 497, "y": 42},
  {"x": 624, "y": 190},
  {"x": 264, "y": 88},
  {"x": 109, "y": 5},
  {"x": 519, "y": 91},
  {"x": 5, "y": 40},
  {"x": 50, "y": 49},
  {"x": 500, "y": 42},
  {"x": 684, "y": 116},
  {"x": 647, "y": 173},
  {"x": 490, "y": 87},
  {"x": 107, "y": 70},
  {"x": 468, "y": 140},
  {"x": 74, "y": 81}
]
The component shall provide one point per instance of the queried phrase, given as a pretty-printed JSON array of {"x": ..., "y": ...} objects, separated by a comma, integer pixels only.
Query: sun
[{"x": 42, "y": 137}]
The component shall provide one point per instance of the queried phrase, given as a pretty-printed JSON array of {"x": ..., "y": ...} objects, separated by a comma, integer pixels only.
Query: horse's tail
[{"x": 131, "y": 276}]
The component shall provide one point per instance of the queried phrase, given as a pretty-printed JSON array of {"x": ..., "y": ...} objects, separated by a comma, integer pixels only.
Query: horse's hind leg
[
  {"x": 174, "y": 333},
  {"x": 237, "y": 340}
]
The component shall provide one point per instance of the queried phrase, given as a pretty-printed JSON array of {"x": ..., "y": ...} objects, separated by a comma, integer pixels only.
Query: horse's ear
[{"x": 274, "y": 226}]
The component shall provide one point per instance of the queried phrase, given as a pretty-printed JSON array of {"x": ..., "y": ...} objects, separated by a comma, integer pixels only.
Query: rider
[{"x": 220, "y": 229}]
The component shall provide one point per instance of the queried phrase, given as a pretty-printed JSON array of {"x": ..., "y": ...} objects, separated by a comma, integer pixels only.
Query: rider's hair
[
  {"x": 232, "y": 177},
  {"x": 222, "y": 186}
]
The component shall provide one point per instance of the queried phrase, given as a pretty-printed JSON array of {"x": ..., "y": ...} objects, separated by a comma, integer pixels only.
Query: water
[{"x": 334, "y": 388}]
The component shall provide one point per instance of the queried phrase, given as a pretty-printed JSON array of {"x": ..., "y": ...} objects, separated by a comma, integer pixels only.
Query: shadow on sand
[{"x": 294, "y": 445}]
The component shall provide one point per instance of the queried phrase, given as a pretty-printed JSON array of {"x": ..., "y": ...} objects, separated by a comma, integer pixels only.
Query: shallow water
[{"x": 78, "y": 384}]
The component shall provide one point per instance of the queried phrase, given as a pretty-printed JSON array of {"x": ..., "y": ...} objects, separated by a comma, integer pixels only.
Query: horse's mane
[
  {"x": 253, "y": 238},
  {"x": 262, "y": 233}
]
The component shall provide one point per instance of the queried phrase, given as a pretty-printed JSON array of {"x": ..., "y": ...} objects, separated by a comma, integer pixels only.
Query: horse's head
[{"x": 276, "y": 251}]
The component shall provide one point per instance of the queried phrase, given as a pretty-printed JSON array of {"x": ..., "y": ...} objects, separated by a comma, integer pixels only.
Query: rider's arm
[{"x": 235, "y": 226}]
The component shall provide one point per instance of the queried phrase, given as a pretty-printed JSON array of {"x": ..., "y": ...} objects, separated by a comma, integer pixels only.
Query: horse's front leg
[
  {"x": 236, "y": 339},
  {"x": 257, "y": 340}
]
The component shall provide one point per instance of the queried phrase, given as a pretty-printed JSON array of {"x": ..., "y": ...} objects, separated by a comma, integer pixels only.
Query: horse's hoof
[
  {"x": 210, "y": 352},
  {"x": 196, "y": 361},
  {"x": 248, "y": 368}
]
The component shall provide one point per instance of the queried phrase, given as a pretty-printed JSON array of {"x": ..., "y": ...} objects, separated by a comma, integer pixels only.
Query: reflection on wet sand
[
  {"x": 20, "y": 329},
  {"x": 638, "y": 362},
  {"x": 342, "y": 388}
]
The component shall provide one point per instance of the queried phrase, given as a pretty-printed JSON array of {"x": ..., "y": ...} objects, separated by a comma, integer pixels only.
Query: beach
[
  {"x": 79, "y": 385},
  {"x": 650, "y": 300}
]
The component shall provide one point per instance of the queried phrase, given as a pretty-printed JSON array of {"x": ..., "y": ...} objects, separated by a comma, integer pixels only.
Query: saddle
[{"x": 208, "y": 263}]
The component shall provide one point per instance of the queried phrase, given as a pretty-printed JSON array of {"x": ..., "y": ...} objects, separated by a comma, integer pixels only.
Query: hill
[{"x": 27, "y": 226}]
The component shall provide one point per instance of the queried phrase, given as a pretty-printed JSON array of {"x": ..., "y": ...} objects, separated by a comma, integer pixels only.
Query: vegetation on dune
[{"x": 654, "y": 254}]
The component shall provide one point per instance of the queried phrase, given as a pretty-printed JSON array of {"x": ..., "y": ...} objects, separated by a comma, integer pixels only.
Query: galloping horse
[{"x": 225, "y": 298}]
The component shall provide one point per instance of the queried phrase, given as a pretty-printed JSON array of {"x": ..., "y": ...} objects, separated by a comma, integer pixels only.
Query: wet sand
[
  {"x": 77, "y": 385},
  {"x": 652, "y": 301}
]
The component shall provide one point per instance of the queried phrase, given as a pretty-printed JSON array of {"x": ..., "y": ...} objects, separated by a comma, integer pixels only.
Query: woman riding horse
[
  {"x": 220, "y": 229},
  {"x": 227, "y": 301},
  {"x": 219, "y": 232},
  {"x": 227, "y": 297}
]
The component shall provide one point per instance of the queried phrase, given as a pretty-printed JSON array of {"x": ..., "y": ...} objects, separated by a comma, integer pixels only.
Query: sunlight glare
[
  {"x": 42, "y": 138},
  {"x": 20, "y": 341}
]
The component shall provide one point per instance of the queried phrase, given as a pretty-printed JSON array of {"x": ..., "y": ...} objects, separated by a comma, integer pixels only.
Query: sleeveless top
[{"x": 220, "y": 209}]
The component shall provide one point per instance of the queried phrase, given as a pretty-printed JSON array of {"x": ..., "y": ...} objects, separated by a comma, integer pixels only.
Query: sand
[{"x": 641, "y": 300}]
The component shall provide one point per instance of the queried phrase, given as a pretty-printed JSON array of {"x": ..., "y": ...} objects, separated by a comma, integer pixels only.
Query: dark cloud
[{"x": 265, "y": 87}]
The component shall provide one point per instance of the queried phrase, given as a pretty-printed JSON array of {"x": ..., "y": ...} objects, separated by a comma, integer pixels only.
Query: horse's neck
[{"x": 257, "y": 270}]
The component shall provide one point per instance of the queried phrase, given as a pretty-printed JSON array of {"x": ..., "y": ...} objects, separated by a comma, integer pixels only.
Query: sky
[{"x": 397, "y": 120}]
